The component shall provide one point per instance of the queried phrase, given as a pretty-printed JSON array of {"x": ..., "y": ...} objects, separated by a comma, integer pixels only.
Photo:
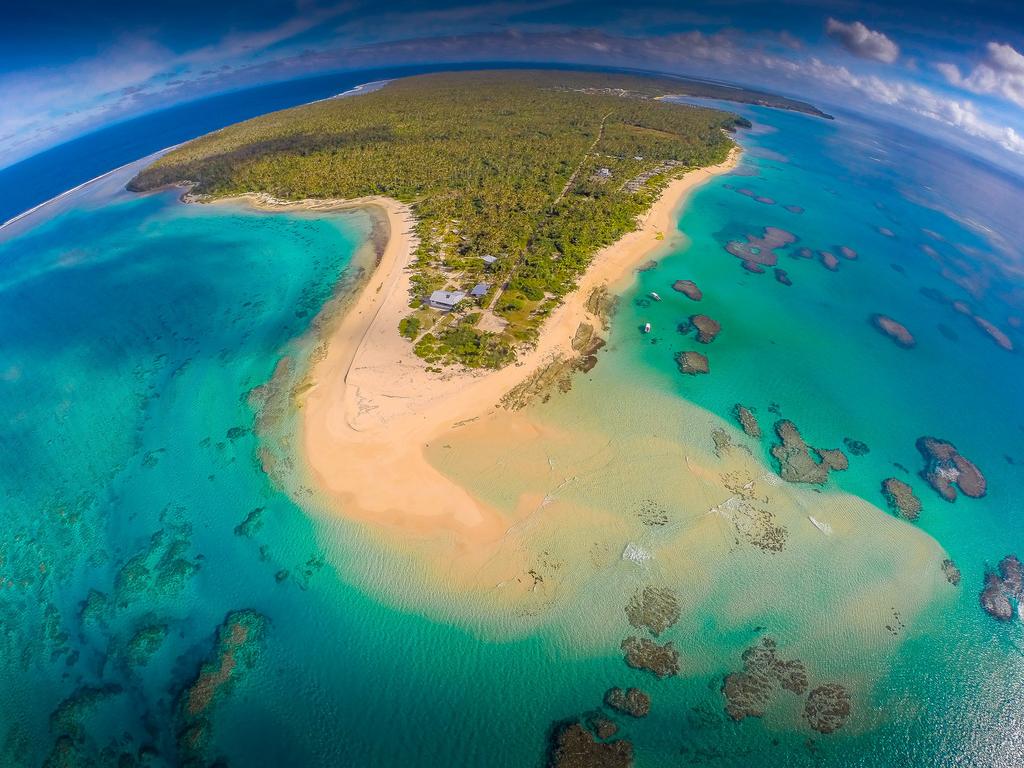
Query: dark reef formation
[
  {"x": 144, "y": 643},
  {"x": 856, "y": 447},
  {"x": 951, "y": 572},
  {"x": 945, "y": 467},
  {"x": 827, "y": 707},
  {"x": 901, "y": 498},
  {"x": 782, "y": 276},
  {"x": 847, "y": 252},
  {"x": 238, "y": 645},
  {"x": 632, "y": 702},
  {"x": 688, "y": 288},
  {"x": 653, "y": 608},
  {"x": 828, "y": 260},
  {"x": 641, "y": 653},
  {"x": 692, "y": 363},
  {"x": 749, "y": 692},
  {"x": 894, "y": 330},
  {"x": 797, "y": 463},
  {"x": 573, "y": 746},
  {"x": 252, "y": 523},
  {"x": 707, "y": 328},
  {"x": 745, "y": 416},
  {"x": 758, "y": 251},
  {"x": 602, "y": 726},
  {"x": 1003, "y": 588}
]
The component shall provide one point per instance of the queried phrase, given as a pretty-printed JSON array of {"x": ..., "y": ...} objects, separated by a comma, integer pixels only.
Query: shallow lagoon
[{"x": 132, "y": 332}]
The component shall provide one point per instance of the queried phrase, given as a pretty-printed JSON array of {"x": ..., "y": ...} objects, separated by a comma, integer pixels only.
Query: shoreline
[{"x": 373, "y": 407}]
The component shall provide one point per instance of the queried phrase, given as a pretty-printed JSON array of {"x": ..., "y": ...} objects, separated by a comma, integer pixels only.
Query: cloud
[
  {"x": 863, "y": 42},
  {"x": 915, "y": 99},
  {"x": 1001, "y": 74}
]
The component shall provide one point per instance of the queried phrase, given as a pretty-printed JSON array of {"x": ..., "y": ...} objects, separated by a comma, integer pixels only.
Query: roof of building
[
  {"x": 446, "y": 298},
  {"x": 480, "y": 289},
  {"x": 490, "y": 259}
]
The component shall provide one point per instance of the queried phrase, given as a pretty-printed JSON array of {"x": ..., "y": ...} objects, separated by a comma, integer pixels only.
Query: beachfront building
[
  {"x": 480, "y": 290},
  {"x": 490, "y": 261},
  {"x": 446, "y": 301}
]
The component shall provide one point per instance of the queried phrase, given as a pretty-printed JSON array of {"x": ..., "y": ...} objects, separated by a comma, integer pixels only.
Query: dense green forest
[{"x": 538, "y": 169}]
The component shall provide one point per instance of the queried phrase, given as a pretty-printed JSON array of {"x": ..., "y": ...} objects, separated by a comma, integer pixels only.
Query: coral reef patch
[
  {"x": 894, "y": 330},
  {"x": 692, "y": 363},
  {"x": 1003, "y": 588},
  {"x": 645, "y": 654},
  {"x": 827, "y": 707},
  {"x": 632, "y": 702},
  {"x": 653, "y": 608},
  {"x": 901, "y": 498},
  {"x": 945, "y": 468}
]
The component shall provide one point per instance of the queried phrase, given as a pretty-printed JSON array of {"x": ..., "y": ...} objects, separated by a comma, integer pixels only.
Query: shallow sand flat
[{"x": 827, "y": 598}]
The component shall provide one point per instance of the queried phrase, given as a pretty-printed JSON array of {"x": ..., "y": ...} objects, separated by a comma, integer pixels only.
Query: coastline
[{"x": 373, "y": 407}]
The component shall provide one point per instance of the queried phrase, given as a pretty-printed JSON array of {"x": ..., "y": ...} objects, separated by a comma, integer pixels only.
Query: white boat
[
  {"x": 647, "y": 327},
  {"x": 654, "y": 296},
  {"x": 823, "y": 527}
]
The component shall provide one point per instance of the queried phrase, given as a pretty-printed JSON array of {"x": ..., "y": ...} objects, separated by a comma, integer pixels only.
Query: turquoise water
[{"x": 133, "y": 331}]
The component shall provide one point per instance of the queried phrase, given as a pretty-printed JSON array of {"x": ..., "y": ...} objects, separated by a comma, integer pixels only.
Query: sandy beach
[{"x": 374, "y": 406}]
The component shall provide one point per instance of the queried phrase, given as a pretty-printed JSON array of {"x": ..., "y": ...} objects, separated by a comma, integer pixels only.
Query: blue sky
[{"x": 951, "y": 69}]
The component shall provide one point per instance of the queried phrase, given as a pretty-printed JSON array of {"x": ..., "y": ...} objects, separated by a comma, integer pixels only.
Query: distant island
[{"x": 515, "y": 178}]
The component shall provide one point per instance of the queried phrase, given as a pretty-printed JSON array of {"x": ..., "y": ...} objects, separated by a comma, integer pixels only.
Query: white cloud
[
  {"x": 863, "y": 42},
  {"x": 916, "y": 99},
  {"x": 1001, "y": 74}
]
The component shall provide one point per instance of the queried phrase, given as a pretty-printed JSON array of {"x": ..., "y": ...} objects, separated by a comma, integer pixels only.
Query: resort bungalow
[
  {"x": 446, "y": 301},
  {"x": 490, "y": 261},
  {"x": 480, "y": 289}
]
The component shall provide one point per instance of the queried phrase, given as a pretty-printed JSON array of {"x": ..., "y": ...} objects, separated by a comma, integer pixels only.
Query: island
[
  {"x": 515, "y": 179},
  {"x": 543, "y": 189}
]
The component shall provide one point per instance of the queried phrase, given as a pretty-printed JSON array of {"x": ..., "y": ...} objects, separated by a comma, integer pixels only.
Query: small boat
[
  {"x": 823, "y": 527},
  {"x": 647, "y": 327},
  {"x": 654, "y": 296}
]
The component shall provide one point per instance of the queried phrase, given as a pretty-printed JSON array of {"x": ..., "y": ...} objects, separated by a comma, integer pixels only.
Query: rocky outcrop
[
  {"x": 238, "y": 645},
  {"x": 692, "y": 363},
  {"x": 745, "y": 416},
  {"x": 945, "y": 468},
  {"x": 688, "y": 288},
  {"x": 901, "y": 498},
  {"x": 834, "y": 458},
  {"x": 748, "y": 693},
  {"x": 827, "y": 708},
  {"x": 632, "y": 702},
  {"x": 707, "y": 328},
  {"x": 1003, "y": 588},
  {"x": 758, "y": 251},
  {"x": 998, "y": 336},
  {"x": 573, "y": 746},
  {"x": 797, "y": 463},
  {"x": 602, "y": 726},
  {"x": 641, "y": 653},
  {"x": 894, "y": 330},
  {"x": 951, "y": 572},
  {"x": 653, "y": 608}
]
